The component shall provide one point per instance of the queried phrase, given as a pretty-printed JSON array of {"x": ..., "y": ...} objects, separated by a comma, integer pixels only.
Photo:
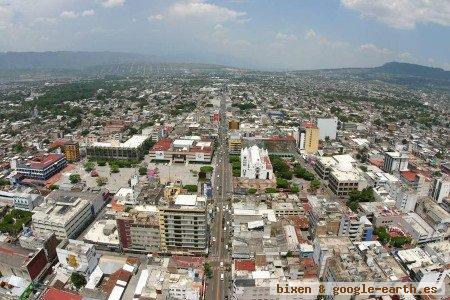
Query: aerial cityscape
[{"x": 251, "y": 170}]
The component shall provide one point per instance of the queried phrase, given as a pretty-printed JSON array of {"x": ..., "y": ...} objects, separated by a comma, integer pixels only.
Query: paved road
[{"x": 218, "y": 285}]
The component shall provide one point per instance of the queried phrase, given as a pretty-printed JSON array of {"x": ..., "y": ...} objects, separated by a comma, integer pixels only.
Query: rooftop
[
  {"x": 42, "y": 161},
  {"x": 134, "y": 142}
]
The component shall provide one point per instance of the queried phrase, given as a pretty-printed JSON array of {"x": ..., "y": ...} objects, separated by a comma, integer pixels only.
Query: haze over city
[{"x": 283, "y": 34}]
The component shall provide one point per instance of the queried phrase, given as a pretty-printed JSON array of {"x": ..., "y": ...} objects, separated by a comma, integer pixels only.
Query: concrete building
[
  {"x": 342, "y": 175},
  {"x": 65, "y": 219},
  {"x": 234, "y": 142},
  {"x": 395, "y": 162},
  {"x": 47, "y": 242},
  {"x": 440, "y": 189},
  {"x": 255, "y": 163},
  {"x": 139, "y": 229},
  {"x": 18, "y": 261},
  {"x": 324, "y": 248},
  {"x": 331, "y": 218},
  {"x": 42, "y": 167},
  {"x": 133, "y": 148},
  {"x": 324, "y": 216},
  {"x": 309, "y": 138},
  {"x": 187, "y": 149},
  {"x": 71, "y": 151},
  {"x": 327, "y": 128},
  {"x": 77, "y": 256},
  {"x": 183, "y": 225},
  {"x": 21, "y": 199},
  {"x": 233, "y": 124},
  {"x": 405, "y": 197}
]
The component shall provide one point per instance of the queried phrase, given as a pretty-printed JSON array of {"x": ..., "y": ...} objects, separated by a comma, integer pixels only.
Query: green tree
[
  {"x": 88, "y": 166},
  {"x": 74, "y": 178},
  {"x": 54, "y": 187},
  {"x": 271, "y": 190},
  {"x": 355, "y": 196},
  {"x": 101, "y": 162},
  {"x": 251, "y": 191},
  {"x": 208, "y": 270},
  {"x": 206, "y": 169},
  {"x": 280, "y": 168},
  {"x": 4, "y": 182},
  {"x": 114, "y": 168},
  {"x": 78, "y": 280},
  {"x": 142, "y": 171},
  {"x": 191, "y": 188},
  {"x": 314, "y": 185},
  {"x": 282, "y": 183},
  {"x": 301, "y": 172},
  {"x": 84, "y": 132},
  {"x": 101, "y": 181}
]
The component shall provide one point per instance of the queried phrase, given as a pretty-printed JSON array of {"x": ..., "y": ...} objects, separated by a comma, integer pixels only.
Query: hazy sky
[{"x": 300, "y": 34}]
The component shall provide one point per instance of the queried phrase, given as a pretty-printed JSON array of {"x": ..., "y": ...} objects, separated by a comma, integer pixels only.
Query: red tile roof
[
  {"x": 162, "y": 145},
  {"x": 244, "y": 265},
  {"x": 408, "y": 175},
  {"x": 201, "y": 149},
  {"x": 309, "y": 125},
  {"x": 44, "y": 160},
  {"x": 55, "y": 294},
  {"x": 376, "y": 162},
  {"x": 186, "y": 261},
  {"x": 280, "y": 138}
]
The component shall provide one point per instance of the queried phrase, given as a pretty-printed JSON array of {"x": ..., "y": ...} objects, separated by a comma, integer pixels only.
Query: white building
[
  {"x": 395, "y": 162},
  {"x": 255, "y": 163},
  {"x": 440, "y": 189},
  {"x": 65, "y": 219},
  {"x": 405, "y": 197},
  {"x": 327, "y": 127},
  {"x": 341, "y": 173},
  {"x": 77, "y": 256},
  {"x": 21, "y": 199}
]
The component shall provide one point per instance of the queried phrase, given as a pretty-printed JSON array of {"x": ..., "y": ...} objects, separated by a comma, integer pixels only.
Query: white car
[
  {"x": 221, "y": 276},
  {"x": 221, "y": 264}
]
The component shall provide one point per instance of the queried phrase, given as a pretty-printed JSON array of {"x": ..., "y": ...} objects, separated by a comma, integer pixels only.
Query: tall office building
[
  {"x": 440, "y": 189},
  {"x": 327, "y": 128},
  {"x": 71, "y": 151},
  {"x": 139, "y": 229},
  {"x": 395, "y": 162},
  {"x": 183, "y": 225},
  {"x": 309, "y": 138}
]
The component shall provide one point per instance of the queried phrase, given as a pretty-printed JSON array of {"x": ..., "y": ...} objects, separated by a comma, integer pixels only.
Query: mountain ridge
[{"x": 79, "y": 60}]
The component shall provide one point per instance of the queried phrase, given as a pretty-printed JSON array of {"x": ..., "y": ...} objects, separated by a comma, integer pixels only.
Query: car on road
[
  {"x": 222, "y": 276},
  {"x": 221, "y": 264}
]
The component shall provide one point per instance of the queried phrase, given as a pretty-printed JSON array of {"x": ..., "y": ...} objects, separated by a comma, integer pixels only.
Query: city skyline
[{"x": 244, "y": 33}]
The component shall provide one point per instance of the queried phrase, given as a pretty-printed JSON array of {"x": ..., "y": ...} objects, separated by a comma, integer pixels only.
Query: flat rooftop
[{"x": 134, "y": 142}]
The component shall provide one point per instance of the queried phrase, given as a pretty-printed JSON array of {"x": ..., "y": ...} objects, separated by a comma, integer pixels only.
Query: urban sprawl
[{"x": 219, "y": 185}]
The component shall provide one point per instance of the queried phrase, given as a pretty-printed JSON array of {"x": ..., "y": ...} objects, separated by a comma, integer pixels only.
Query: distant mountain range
[
  {"x": 77, "y": 61},
  {"x": 398, "y": 68}
]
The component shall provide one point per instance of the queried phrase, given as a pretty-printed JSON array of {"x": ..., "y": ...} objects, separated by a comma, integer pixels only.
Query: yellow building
[
  {"x": 71, "y": 151},
  {"x": 235, "y": 142},
  {"x": 309, "y": 138},
  {"x": 233, "y": 124}
]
